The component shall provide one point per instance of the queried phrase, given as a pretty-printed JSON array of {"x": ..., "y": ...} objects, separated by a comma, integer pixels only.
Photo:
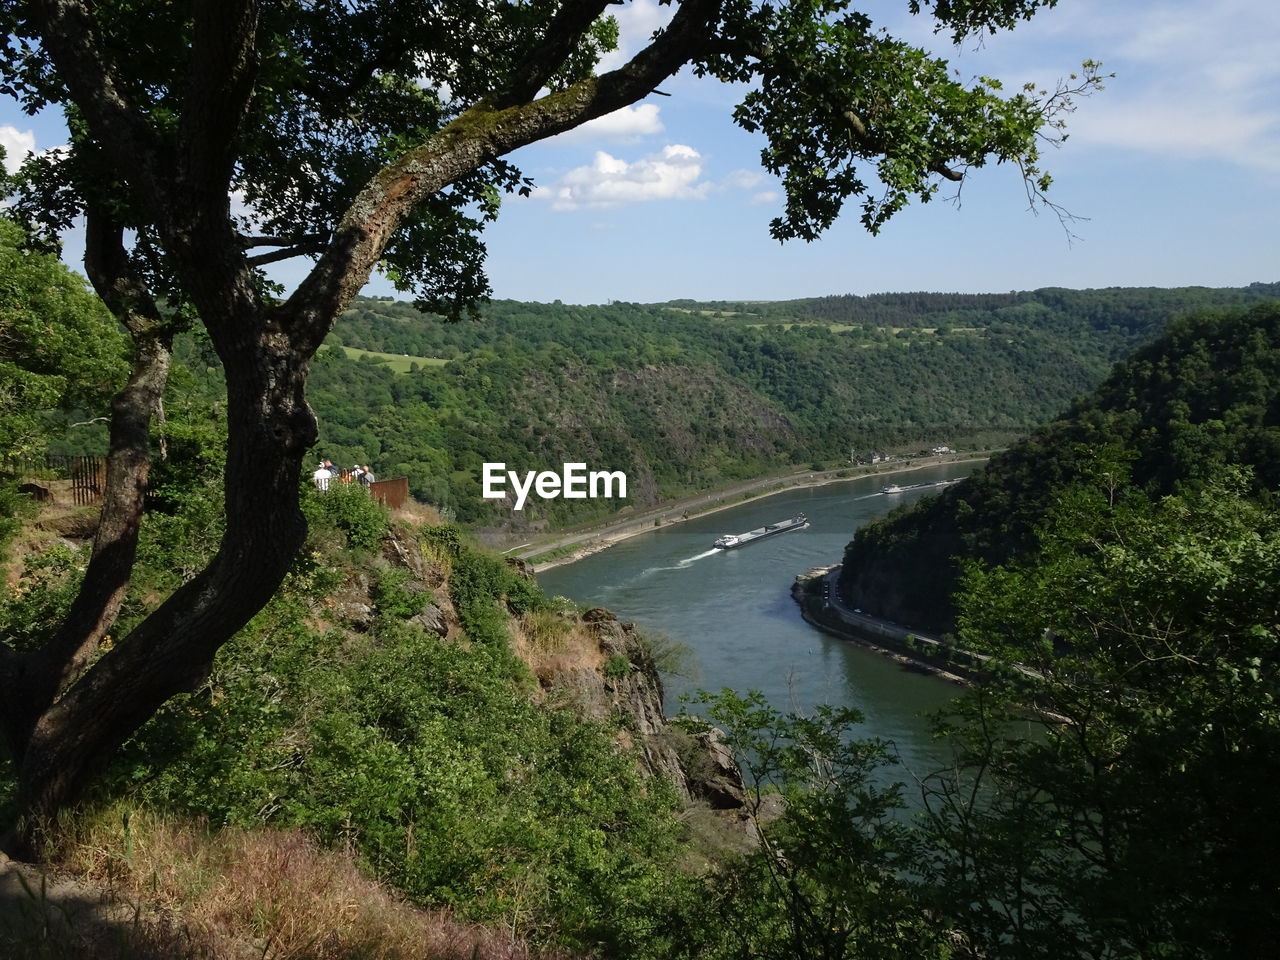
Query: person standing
[
  {"x": 322, "y": 476},
  {"x": 367, "y": 479}
]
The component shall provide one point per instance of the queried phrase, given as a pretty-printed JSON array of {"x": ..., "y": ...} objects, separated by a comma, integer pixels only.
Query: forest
[
  {"x": 1174, "y": 415},
  {"x": 400, "y": 703},
  {"x": 684, "y": 397},
  {"x": 268, "y": 720}
]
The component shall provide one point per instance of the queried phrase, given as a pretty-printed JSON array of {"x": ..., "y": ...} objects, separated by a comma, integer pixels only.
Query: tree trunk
[{"x": 269, "y": 429}]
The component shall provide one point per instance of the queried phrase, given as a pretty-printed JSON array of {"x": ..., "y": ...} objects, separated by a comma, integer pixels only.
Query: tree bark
[{"x": 270, "y": 427}]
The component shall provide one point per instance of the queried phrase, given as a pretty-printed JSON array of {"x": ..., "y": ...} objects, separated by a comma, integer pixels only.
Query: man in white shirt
[{"x": 322, "y": 477}]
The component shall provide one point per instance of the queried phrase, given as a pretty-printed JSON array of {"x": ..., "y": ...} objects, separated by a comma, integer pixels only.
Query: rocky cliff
[{"x": 589, "y": 662}]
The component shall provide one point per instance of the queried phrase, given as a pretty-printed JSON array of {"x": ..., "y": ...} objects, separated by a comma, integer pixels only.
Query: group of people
[{"x": 327, "y": 472}]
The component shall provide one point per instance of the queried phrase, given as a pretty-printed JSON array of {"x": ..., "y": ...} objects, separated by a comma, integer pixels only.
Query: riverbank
[
  {"x": 815, "y": 593},
  {"x": 573, "y": 546}
]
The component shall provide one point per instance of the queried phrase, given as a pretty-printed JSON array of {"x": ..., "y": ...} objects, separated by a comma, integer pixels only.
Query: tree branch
[
  {"x": 861, "y": 133},
  {"x": 564, "y": 31},
  {"x": 71, "y": 37},
  {"x": 250, "y": 242},
  {"x": 479, "y": 135},
  {"x": 106, "y": 579},
  {"x": 224, "y": 63},
  {"x": 287, "y": 253}
]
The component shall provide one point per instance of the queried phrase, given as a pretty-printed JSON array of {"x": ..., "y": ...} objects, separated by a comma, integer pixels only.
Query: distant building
[{"x": 938, "y": 451}]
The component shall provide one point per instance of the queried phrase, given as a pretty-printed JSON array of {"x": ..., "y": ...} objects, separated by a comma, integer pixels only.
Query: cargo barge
[{"x": 732, "y": 540}]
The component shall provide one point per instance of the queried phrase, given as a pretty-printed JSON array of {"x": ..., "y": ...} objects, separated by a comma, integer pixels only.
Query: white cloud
[
  {"x": 637, "y": 22},
  {"x": 1196, "y": 79},
  {"x": 743, "y": 179},
  {"x": 626, "y": 125},
  {"x": 17, "y": 144},
  {"x": 752, "y": 182},
  {"x": 674, "y": 173}
]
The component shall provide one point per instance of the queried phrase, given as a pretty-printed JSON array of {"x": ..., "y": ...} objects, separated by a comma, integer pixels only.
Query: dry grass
[
  {"x": 52, "y": 522},
  {"x": 236, "y": 893},
  {"x": 550, "y": 642},
  {"x": 420, "y": 514}
]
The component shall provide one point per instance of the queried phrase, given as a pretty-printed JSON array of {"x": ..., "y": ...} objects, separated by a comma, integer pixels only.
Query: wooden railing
[
  {"x": 88, "y": 475},
  {"x": 393, "y": 493}
]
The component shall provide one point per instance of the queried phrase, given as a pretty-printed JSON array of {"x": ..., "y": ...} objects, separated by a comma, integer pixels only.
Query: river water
[{"x": 734, "y": 612}]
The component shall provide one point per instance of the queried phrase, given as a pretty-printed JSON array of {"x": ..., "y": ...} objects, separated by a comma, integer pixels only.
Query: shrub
[
  {"x": 348, "y": 508},
  {"x": 393, "y": 599},
  {"x": 617, "y": 667}
]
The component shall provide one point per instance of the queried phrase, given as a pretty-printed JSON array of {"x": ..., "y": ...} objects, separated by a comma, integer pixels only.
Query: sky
[{"x": 1173, "y": 171}]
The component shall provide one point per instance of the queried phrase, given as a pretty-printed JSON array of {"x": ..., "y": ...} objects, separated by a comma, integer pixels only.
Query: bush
[
  {"x": 348, "y": 508},
  {"x": 393, "y": 599},
  {"x": 13, "y": 506},
  {"x": 617, "y": 667}
]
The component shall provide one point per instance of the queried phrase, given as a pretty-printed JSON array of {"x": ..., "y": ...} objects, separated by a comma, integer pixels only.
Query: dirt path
[{"x": 43, "y": 915}]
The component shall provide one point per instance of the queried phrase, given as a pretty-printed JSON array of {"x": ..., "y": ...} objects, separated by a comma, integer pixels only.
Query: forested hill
[
  {"x": 683, "y": 395},
  {"x": 1204, "y": 396}
]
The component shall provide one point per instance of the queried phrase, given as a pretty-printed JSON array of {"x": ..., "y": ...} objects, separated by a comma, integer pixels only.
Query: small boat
[
  {"x": 892, "y": 488},
  {"x": 731, "y": 540}
]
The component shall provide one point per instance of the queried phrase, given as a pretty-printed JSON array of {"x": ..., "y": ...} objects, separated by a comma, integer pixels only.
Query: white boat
[
  {"x": 892, "y": 488},
  {"x": 731, "y": 540}
]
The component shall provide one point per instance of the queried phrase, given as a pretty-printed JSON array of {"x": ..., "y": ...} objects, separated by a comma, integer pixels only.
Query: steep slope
[
  {"x": 419, "y": 704},
  {"x": 1206, "y": 394}
]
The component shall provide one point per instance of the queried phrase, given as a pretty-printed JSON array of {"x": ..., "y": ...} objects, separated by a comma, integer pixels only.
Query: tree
[
  {"x": 211, "y": 138},
  {"x": 1131, "y": 823},
  {"x": 58, "y": 345},
  {"x": 830, "y": 878}
]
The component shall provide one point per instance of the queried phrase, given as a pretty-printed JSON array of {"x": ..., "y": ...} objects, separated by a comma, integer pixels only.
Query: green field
[{"x": 399, "y": 363}]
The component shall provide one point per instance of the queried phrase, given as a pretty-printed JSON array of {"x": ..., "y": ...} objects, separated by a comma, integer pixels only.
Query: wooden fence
[
  {"x": 88, "y": 475},
  {"x": 88, "y": 479},
  {"x": 393, "y": 493}
]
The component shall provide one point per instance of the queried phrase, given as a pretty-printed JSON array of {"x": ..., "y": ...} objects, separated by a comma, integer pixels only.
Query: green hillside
[
  {"x": 685, "y": 396},
  {"x": 1206, "y": 395}
]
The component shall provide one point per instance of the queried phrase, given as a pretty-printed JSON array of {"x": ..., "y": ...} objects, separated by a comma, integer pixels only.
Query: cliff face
[
  {"x": 627, "y": 690},
  {"x": 591, "y": 663}
]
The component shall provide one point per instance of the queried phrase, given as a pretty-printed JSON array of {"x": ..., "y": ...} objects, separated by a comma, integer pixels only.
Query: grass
[
  {"x": 557, "y": 554},
  {"x": 233, "y": 892},
  {"x": 556, "y": 647},
  {"x": 399, "y": 363}
]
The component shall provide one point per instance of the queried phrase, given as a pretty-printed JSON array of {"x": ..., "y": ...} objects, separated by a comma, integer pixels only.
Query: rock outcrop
[{"x": 605, "y": 671}]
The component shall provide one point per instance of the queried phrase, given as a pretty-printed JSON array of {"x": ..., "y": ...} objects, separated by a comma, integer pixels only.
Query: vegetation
[
  {"x": 831, "y": 878},
  {"x": 682, "y": 401},
  {"x": 435, "y": 762},
  {"x": 193, "y": 892},
  {"x": 59, "y": 351},
  {"x": 1125, "y": 820},
  {"x": 1104, "y": 803},
  {"x": 410, "y": 120},
  {"x": 1177, "y": 412}
]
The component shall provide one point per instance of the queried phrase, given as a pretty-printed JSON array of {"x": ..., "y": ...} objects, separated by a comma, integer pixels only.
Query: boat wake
[
  {"x": 682, "y": 564},
  {"x": 706, "y": 553}
]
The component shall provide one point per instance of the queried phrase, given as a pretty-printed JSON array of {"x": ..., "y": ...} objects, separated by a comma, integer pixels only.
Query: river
[{"x": 733, "y": 609}]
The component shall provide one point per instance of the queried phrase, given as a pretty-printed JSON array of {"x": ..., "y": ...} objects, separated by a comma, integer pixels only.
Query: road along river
[{"x": 734, "y": 611}]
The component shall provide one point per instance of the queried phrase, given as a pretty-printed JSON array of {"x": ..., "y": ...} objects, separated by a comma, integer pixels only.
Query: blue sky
[{"x": 1176, "y": 166}]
